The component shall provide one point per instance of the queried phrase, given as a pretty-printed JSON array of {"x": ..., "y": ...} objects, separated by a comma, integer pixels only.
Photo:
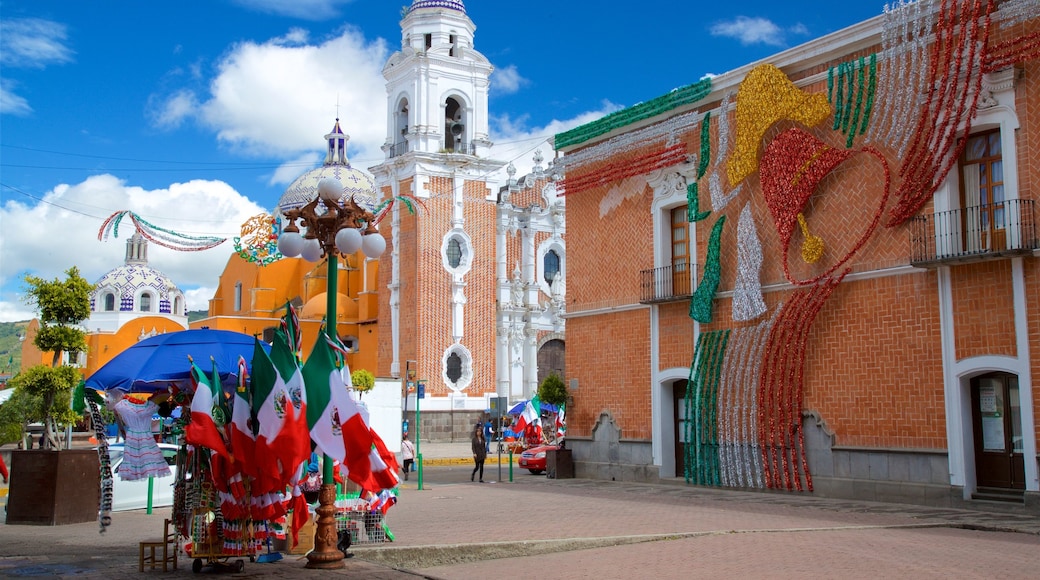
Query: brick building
[
  {"x": 819, "y": 272},
  {"x": 472, "y": 275}
]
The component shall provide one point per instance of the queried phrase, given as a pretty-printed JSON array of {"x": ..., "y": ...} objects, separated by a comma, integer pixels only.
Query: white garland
[
  {"x": 1017, "y": 11},
  {"x": 105, "y": 509},
  {"x": 661, "y": 131},
  {"x": 748, "y": 303},
  {"x": 905, "y": 33}
]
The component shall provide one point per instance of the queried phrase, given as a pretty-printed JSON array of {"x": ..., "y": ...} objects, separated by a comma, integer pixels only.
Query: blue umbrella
[
  {"x": 155, "y": 363},
  {"x": 519, "y": 408}
]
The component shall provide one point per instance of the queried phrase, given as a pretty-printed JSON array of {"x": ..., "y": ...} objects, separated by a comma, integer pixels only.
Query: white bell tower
[{"x": 437, "y": 84}]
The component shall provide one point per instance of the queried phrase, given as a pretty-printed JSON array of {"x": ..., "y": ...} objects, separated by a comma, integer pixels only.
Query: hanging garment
[{"x": 142, "y": 457}]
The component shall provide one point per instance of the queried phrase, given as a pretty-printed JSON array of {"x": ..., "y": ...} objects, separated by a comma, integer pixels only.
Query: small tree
[
  {"x": 553, "y": 390},
  {"x": 63, "y": 306},
  {"x": 363, "y": 380}
]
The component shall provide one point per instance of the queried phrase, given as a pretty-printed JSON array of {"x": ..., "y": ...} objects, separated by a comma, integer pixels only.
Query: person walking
[
  {"x": 3, "y": 469},
  {"x": 407, "y": 454},
  {"x": 479, "y": 452}
]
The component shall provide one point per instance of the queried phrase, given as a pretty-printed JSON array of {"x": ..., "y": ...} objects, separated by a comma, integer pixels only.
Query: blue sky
[{"x": 197, "y": 114}]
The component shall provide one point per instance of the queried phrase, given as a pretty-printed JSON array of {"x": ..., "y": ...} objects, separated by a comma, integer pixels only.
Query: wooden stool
[{"x": 169, "y": 545}]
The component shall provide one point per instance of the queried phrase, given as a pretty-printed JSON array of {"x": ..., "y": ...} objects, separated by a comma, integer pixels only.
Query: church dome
[
  {"x": 136, "y": 287},
  {"x": 355, "y": 182},
  {"x": 314, "y": 309},
  {"x": 450, "y": 4}
]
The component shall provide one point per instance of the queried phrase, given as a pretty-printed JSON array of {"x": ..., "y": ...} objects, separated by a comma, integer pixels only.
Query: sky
[{"x": 196, "y": 115}]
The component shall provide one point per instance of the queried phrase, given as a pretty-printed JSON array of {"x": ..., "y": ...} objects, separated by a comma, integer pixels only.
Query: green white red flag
[
  {"x": 530, "y": 417},
  {"x": 336, "y": 425},
  {"x": 243, "y": 439},
  {"x": 208, "y": 414}
]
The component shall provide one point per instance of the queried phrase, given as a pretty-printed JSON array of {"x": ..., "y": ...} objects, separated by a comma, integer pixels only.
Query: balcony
[
  {"x": 666, "y": 284},
  {"x": 974, "y": 234}
]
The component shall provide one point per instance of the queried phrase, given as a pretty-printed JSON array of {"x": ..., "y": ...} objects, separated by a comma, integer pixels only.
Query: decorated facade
[
  {"x": 826, "y": 269},
  {"x": 473, "y": 276}
]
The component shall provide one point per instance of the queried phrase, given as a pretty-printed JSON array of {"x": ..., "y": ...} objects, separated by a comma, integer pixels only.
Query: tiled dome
[
  {"x": 134, "y": 276},
  {"x": 451, "y": 4},
  {"x": 355, "y": 182}
]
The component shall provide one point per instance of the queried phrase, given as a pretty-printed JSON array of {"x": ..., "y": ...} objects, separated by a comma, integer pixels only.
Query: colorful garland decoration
[
  {"x": 905, "y": 33},
  {"x": 766, "y": 96},
  {"x": 163, "y": 237},
  {"x": 748, "y": 303},
  {"x": 955, "y": 72},
  {"x": 705, "y": 159},
  {"x": 677, "y": 98},
  {"x": 780, "y": 391},
  {"x": 704, "y": 296},
  {"x": 408, "y": 201},
  {"x": 792, "y": 166},
  {"x": 258, "y": 241},
  {"x": 624, "y": 168},
  {"x": 853, "y": 121},
  {"x": 719, "y": 198},
  {"x": 693, "y": 205}
]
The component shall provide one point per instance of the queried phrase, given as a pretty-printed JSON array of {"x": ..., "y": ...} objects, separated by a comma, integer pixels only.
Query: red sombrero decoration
[{"x": 791, "y": 168}]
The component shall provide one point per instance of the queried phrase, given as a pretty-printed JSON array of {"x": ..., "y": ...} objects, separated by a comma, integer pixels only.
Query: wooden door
[{"x": 997, "y": 423}]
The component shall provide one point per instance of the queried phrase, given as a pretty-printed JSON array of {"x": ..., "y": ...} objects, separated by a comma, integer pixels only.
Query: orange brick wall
[
  {"x": 873, "y": 367},
  {"x": 984, "y": 316},
  {"x": 613, "y": 371},
  {"x": 426, "y": 289}
]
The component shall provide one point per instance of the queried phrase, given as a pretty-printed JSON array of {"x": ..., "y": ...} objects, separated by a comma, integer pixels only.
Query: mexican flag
[
  {"x": 243, "y": 440},
  {"x": 561, "y": 422},
  {"x": 336, "y": 425},
  {"x": 530, "y": 416},
  {"x": 208, "y": 413},
  {"x": 287, "y": 362},
  {"x": 277, "y": 438}
]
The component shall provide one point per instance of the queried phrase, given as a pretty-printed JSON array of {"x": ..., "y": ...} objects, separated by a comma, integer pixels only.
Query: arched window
[
  {"x": 110, "y": 302},
  {"x": 550, "y": 266},
  {"x": 146, "y": 303},
  {"x": 454, "y": 367},
  {"x": 238, "y": 296}
]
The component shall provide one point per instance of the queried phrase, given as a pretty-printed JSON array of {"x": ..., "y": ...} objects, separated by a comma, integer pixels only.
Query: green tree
[
  {"x": 363, "y": 380},
  {"x": 553, "y": 390},
  {"x": 63, "y": 305}
]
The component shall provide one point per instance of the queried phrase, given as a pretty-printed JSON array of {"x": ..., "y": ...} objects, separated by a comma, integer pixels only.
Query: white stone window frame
[
  {"x": 100, "y": 295},
  {"x": 465, "y": 244},
  {"x": 560, "y": 247},
  {"x": 466, "y": 378}
]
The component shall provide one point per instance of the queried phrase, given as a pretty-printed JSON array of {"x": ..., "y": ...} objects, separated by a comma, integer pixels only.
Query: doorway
[
  {"x": 997, "y": 424},
  {"x": 679, "y": 420}
]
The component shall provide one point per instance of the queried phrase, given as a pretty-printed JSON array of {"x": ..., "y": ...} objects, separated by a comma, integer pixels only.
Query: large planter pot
[{"x": 53, "y": 488}]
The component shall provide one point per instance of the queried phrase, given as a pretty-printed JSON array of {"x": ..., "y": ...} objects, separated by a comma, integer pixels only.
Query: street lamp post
[{"x": 333, "y": 228}]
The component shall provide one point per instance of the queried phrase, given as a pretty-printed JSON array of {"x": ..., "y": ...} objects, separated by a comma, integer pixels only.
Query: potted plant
[{"x": 48, "y": 485}]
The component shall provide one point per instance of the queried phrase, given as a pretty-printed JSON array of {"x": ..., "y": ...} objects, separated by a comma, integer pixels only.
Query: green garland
[
  {"x": 705, "y": 145},
  {"x": 704, "y": 296},
  {"x": 677, "y": 98},
  {"x": 693, "y": 204}
]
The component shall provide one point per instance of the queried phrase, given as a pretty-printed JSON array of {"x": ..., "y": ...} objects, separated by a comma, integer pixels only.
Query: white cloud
[
  {"x": 517, "y": 143},
  {"x": 198, "y": 208},
  {"x": 12, "y": 104},
  {"x": 32, "y": 43},
  {"x": 507, "y": 80},
  {"x": 198, "y": 298},
  {"x": 173, "y": 111},
  {"x": 303, "y": 9},
  {"x": 270, "y": 99},
  {"x": 290, "y": 170},
  {"x": 750, "y": 31}
]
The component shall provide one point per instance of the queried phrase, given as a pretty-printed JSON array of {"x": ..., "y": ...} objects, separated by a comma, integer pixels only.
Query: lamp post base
[{"x": 326, "y": 555}]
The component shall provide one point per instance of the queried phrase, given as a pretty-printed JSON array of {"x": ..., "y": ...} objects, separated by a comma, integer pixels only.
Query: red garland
[
  {"x": 1012, "y": 51},
  {"x": 641, "y": 165},
  {"x": 781, "y": 392},
  {"x": 934, "y": 148}
]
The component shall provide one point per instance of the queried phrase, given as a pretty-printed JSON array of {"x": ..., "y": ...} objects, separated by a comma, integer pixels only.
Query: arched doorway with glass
[{"x": 997, "y": 426}]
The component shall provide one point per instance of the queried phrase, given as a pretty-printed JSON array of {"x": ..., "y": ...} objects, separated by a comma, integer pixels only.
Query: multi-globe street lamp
[{"x": 334, "y": 227}]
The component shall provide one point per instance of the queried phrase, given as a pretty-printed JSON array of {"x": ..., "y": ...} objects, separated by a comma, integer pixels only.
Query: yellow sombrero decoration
[{"x": 766, "y": 96}]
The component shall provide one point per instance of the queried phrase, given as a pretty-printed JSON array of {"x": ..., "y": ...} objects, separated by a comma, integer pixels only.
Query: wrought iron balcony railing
[
  {"x": 666, "y": 284},
  {"x": 974, "y": 234}
]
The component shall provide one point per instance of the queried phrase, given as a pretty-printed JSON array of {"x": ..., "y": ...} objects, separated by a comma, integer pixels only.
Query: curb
[{"x": 441, "y": 461}]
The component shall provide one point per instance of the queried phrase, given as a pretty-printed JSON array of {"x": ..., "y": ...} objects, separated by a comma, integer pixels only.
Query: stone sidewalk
[{"x": 576, "y": 528}]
